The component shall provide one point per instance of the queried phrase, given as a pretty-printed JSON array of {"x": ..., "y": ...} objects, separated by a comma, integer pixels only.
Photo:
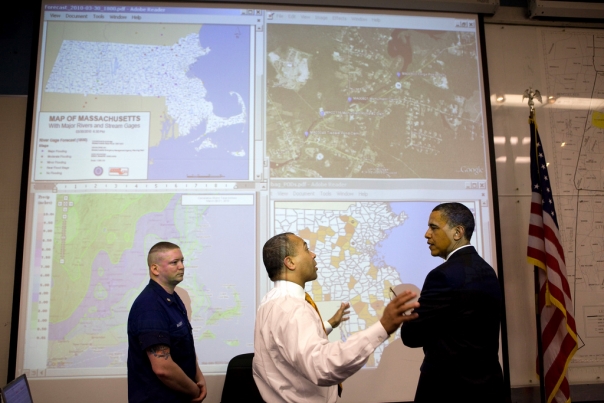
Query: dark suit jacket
[{"x": 458, "y": 327}]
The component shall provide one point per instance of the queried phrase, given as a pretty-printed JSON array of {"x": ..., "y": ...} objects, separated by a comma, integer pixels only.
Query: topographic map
[
  {"x": 99, "y": 268},
  {"x": 363, "y": 249},
  {"x": 184, "y": 75},
  {"x": 353, "y": 102},
  {"x": 574, "y": 65}
]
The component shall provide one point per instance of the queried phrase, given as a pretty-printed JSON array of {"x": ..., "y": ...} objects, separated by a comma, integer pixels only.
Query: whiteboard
[{"x": 561, "y": 62}]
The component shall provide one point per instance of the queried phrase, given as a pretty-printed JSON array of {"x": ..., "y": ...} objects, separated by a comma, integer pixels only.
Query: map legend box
[{"x": 93, "y": 145}]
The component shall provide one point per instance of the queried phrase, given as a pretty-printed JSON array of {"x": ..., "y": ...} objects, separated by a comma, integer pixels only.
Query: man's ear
[
  {"x": 153, "y": 269},
  {"x": 289, "y": 263},
  {"x": 460, "y": 233}
]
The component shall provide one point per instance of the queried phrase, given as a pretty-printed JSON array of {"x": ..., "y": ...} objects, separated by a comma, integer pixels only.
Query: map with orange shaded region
[{"x": 345, "y": 236}]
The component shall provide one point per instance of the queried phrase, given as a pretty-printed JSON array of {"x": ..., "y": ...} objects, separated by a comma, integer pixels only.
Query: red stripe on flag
[
  {"x": 551, "y": 328},
  {"x": 536, "y": 231},
  {"x": 536, "y": 254},
  {"x": 536, "y": 208}
]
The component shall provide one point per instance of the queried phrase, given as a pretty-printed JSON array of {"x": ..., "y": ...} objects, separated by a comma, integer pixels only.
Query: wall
[
  {"x": 12, "y": 127},
  {"x": 515, "y": 64}
]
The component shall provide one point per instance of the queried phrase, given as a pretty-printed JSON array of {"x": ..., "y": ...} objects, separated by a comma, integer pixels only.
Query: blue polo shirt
[{"x": 157, "y": 317}]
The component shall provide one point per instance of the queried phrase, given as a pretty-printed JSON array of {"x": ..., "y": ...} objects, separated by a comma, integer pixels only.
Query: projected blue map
[{"x": 200, "y": 127}]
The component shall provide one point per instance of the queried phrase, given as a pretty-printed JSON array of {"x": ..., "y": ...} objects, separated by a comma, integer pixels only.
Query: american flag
[{"x": 558, "y": 328}]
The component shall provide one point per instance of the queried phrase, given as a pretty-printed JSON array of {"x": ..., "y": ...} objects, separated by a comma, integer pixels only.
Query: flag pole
[
  {"x": 539, "y": 341},
  {"x": 531, "y": 95}
]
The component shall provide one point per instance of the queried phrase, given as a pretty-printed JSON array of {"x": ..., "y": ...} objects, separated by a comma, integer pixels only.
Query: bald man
[{"x": 293, "y": 359}]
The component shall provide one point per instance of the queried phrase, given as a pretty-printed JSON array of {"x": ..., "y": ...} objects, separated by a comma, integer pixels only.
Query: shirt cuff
[
  {"x": 327, "y": 327},
  {"x": 376, "y": 334}
]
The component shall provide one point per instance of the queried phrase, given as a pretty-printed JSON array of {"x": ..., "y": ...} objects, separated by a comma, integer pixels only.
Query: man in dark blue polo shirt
[{"x": 162, "y": 365}]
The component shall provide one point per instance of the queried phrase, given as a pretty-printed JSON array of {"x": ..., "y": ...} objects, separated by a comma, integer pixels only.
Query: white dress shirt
[
  {"x": 293, "y": 360},
  {"x": 455, "y": 250}
]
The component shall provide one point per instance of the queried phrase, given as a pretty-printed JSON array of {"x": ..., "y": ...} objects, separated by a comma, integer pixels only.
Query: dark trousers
[{"x": 450, "y": 387}]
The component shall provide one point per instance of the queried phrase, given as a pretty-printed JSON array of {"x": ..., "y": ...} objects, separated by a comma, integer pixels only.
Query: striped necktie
[{"x": 312, "y": 303}]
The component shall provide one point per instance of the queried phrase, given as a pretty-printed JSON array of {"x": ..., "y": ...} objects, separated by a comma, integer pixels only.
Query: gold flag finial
[{"x": 532, "y": 95}]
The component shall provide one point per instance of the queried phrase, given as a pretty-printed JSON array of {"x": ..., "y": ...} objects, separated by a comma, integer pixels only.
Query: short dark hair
[
  {"x": 456, "y": 214},
  {"x": 274, "y": 252},
  {"x": 158, "y": 248}
]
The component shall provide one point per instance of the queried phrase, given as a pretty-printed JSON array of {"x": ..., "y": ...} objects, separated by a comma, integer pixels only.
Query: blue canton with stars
[{"x": 539, "y": 175}]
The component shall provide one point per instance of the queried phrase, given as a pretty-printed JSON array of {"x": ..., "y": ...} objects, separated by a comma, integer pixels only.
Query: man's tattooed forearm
[{"x": 160, "y": 351}]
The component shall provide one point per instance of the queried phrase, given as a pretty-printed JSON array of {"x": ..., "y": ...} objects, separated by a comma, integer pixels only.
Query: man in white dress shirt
[{"x": 293, "y": 359}]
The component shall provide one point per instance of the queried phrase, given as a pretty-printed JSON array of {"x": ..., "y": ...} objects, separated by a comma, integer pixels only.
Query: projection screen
[{"x": 217, "y": 126}]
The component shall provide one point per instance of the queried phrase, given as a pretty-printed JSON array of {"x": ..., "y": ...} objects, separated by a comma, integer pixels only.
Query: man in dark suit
[{"x": 458, "y": 317}]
